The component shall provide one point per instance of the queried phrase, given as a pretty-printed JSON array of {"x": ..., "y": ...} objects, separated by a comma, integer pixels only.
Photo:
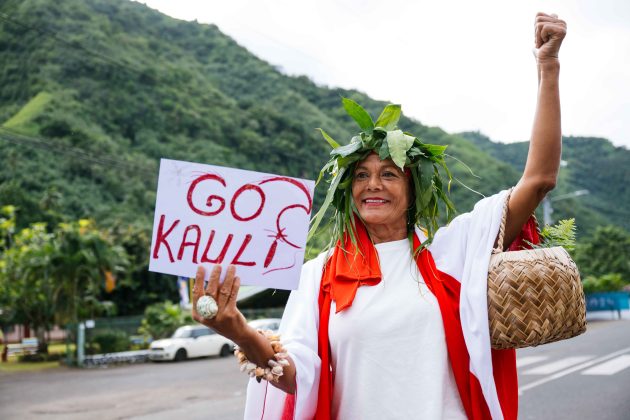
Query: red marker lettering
[
  {"x": 219, "y": 259},
  {"x": 238, "y": 255},
  {"x": 271, "y": 253},
  {"x": 294, "y": 182},
  {"x": 210, "y": 198},
  {"x": 161, "y": 239},
  {"x": 272, "y": 249},
  {"x": 307, "y": 209},
  {"x": 185, "y": 243},
  {"x": 247, "y": 187}
]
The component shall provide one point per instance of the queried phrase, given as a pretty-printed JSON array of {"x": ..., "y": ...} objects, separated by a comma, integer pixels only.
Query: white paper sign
[{"x": 206, "y": 215}]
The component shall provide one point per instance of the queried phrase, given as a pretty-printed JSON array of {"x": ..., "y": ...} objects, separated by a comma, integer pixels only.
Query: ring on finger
[{"x": 207, "y": 307}]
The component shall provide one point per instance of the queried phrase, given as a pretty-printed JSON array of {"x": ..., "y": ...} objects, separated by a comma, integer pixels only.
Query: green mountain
[
  {"x": 591, "y": 164},
  {"x": 93, "y": 93},
  {"x": 109, "y": 87}
]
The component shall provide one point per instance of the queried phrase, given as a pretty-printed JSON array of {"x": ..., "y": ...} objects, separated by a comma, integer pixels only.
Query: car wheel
[
  {"x": 180, "y": 355},
  {"x": 225, "y": 350}
]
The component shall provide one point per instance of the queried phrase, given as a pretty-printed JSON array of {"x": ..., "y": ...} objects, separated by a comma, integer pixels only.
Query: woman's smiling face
[{"x": 381, "y": 192}]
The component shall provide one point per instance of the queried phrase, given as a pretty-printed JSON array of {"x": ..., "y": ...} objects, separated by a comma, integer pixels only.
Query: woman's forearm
[
  {"x": 258, "y": 351},
  {"x": 543, "y": 160}
]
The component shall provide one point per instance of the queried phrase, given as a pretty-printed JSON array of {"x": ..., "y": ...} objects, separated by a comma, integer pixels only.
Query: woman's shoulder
[
  {"x": 451, "y": 242},
  {"x": 317, "y": 264},
  {"x": 446, "y": 233},
  {"x": 312, "y": 270},
  {"x": 458, "y": 228}
]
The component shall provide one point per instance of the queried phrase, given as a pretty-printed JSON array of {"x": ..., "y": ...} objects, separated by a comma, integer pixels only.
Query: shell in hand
[{"x": 207, "y": 307}]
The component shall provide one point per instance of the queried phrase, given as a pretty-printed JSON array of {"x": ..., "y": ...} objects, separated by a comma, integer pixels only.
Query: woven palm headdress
[{"x": 420, "y": 160}]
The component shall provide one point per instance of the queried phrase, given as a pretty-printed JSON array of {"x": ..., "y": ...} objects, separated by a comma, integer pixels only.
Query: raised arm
[{"x": 543, "y": 158}]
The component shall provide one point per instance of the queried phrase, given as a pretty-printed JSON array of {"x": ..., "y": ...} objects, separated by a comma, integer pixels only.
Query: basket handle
[{"x": 499, "y": 247}]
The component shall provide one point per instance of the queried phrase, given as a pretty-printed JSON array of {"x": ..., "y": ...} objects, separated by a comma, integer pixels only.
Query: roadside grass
[
  {"x": 14, "y": 365},
  {"x": 60, "y": 348}
]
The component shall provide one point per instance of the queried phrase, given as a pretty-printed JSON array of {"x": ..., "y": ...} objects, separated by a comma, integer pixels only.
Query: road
[
  {"x": 197, "y": 389},
  {"x": 587, "y": 377}
]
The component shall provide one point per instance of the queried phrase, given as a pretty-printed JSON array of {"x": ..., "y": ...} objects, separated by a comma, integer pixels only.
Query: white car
[
  {"x": 191, "y": 341},
  {"x": 272, "y": 324}
]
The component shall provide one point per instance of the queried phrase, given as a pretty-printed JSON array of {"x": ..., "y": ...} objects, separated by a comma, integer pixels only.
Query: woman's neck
[{"x": 385, "y": 233}]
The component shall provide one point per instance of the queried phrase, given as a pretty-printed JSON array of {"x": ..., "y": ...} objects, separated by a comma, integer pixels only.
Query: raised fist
[{"x": 549, "y": 31}]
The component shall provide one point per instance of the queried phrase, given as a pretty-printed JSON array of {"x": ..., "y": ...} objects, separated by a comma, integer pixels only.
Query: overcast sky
[{"x": 460, "y": 65}]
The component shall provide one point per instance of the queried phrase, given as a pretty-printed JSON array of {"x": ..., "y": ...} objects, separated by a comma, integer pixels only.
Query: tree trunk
[
  {"x": 42, "y": 344},
  {"x": 5, "y": 349}
]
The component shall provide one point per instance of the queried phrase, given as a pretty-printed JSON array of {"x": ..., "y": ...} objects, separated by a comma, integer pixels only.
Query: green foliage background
[
  {"x": 592, "y": 164},
  {"x": 93, "y": 93},
  {"x": 162, "y": 319}
]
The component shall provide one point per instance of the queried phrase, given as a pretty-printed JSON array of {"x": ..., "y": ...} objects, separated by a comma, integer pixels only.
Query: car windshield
[
  {"x": 181, "y": 333},
  {"x": 200, "y": 332},
  {"x": 271, "y": 324}
]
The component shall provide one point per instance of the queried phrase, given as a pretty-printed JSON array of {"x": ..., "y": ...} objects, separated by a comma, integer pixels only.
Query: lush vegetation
[
  {"x": 561, "y": 234},
  {"x": 55, "y": 276},
  {"x": 93, "y": 93},
  {"x": 111, "y": 341},
  {"x": 591, "y": 164},
  {"x": 607, "y": 251},
  {"x": 162, "y": 319},
  {"x": 606, "y": 283}
]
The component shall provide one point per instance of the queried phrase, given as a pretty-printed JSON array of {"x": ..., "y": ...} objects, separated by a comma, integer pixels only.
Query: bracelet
[{"x": 276, "y": 365}]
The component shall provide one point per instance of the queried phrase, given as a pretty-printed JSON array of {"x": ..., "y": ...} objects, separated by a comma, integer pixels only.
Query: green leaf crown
[{"x": 408, "y": 152}]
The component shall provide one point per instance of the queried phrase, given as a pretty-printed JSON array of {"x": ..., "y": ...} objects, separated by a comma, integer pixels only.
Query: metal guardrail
[{"x": 123, "y": 357}]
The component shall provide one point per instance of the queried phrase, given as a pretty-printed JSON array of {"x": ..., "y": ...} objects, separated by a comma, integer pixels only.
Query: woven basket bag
[{"x": 535, "y": 296}]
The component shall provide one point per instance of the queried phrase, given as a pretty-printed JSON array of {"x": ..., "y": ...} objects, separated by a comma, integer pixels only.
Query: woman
[{"x": 379, "y": 329}]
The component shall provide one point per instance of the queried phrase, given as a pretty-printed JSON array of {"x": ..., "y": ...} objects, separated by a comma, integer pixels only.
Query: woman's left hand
[
  {"x": 549, "y": 31},
  {"x": 228, "y": 321}
]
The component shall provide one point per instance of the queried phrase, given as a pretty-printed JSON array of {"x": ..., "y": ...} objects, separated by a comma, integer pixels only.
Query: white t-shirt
[
  {"x": 388, "y": 350},
  {"x": 394, "y": 364}
]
